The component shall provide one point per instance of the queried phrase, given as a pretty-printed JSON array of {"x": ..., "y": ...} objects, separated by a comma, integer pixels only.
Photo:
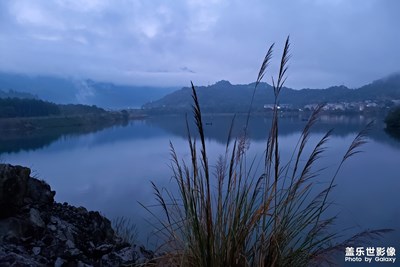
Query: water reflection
[
  {"x": 216, "y": 128},
  {"x": 109, "y": 170},
  {"x": 14, "y": 141}
]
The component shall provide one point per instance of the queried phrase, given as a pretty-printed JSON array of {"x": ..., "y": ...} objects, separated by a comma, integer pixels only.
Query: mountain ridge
[
  {"x": 62, "y": 90},
  {"x": 224, "y": 96},
  {"x": 219, "y": 97}
]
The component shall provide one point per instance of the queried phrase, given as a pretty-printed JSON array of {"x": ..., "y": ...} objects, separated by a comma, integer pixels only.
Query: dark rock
[
  {"x": 103, "y": 249},
  {"x": 13, "y": 187},
  {"x": 36, "y": 231},
  {"x": 34, "y": 217},
  {"x": 59, "y": 262},
  {"x": 36, "y": 250},
  {"x": 70, "y": 244}
]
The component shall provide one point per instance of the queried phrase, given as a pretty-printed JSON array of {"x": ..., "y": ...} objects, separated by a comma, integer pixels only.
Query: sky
[{"x": 170, "y": 43}]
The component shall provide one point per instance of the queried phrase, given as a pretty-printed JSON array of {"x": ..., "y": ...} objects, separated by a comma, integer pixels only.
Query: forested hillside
[
  {"x": 226, "y": 97},
  {"x": 17, "y": 107}
]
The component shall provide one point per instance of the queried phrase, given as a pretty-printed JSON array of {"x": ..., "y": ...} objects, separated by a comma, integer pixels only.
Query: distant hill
[
  {"x": 15, "y": 94},
  {"x": 89, "y": 92},
  {"x": 223, "y": 96},
  {"x": 219, "y": 97},
  {"x": 29, "y": 107},
  {"x": 25, "y": 107}
]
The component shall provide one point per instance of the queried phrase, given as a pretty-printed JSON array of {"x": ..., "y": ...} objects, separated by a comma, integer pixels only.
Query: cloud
[
  {"x": 29, "y": 14},
  {"x": 84, "y": 92},
  {"x": 84, "y": 5},
  {"x": 129, "y": 41},
  {"x": 186, "y": 69}
]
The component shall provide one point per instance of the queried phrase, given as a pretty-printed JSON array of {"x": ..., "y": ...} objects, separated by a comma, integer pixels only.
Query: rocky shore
[{"x": 37, "y": 231}]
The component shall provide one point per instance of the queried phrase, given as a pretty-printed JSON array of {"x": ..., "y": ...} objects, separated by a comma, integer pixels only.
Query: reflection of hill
[
  {"x": 218, "y": 126},
  {"x": 104, "y": 134},
  {"x": 164, "y": 126},
  {"x": 13, "y": 141}
]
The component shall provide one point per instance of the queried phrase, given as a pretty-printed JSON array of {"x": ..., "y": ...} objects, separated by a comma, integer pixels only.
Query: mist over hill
[
  {"x": 224, "y": 96},
  {"x": 219, "y": 97},
  {"x": 88, "y": 92},
  {"x": 16, "y": 94}
]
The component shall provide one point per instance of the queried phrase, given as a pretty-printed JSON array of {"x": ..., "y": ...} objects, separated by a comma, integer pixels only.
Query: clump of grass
[
  {"x": 125, "y": 229},
  {"x": 227, "y": 215}
]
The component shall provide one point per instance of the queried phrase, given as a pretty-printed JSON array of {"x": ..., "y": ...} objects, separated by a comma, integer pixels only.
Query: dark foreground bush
[{"x": 392, "y": 120}]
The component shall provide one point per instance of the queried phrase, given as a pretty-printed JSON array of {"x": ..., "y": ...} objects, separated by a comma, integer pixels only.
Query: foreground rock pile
[{"x": 36, "y": 231}]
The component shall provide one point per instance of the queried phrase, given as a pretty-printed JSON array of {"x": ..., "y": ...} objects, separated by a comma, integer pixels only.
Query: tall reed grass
[{"x": 226, "y": 215}]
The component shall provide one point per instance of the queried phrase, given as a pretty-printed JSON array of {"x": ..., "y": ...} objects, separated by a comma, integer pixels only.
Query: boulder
[
  {"x": 37, "y": 231},
  {"x": 18, "y": 189}
]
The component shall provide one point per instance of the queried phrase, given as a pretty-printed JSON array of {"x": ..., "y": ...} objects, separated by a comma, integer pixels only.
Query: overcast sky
[{"x": 161, "y": 42}]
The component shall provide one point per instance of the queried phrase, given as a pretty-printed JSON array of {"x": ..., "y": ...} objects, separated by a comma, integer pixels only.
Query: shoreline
[
  {"x": 35, "y": 230},
  {"x": 29, "y": 124}
]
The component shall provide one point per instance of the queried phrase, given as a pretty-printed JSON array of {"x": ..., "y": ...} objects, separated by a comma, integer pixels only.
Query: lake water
[{"x": 110, "y": 170}]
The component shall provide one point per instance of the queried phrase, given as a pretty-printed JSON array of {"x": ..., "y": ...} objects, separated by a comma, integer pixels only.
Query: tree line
[{"x": 23, "y": 107}]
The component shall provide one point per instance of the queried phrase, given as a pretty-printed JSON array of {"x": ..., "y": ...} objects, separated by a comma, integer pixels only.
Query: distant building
[{"x": 280, "y": 106}]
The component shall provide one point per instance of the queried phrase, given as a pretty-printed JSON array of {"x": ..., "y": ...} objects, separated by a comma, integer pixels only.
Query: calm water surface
[{"x": 110, "y": 170}]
